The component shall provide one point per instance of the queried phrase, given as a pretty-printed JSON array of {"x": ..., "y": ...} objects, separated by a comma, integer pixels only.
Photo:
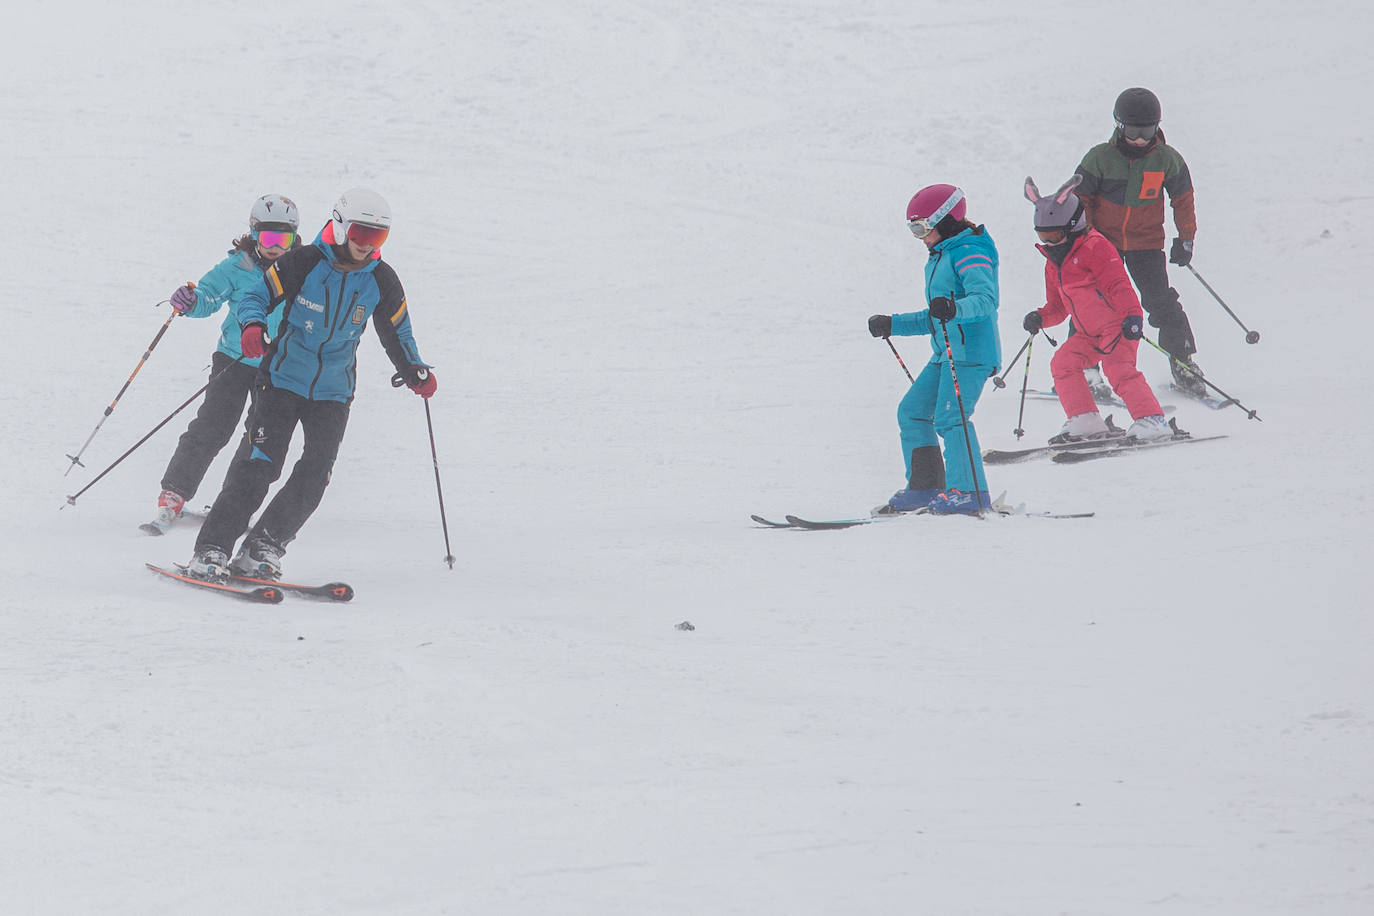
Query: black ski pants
[
  {"x": 214, "y": 424},
  {"x": 1149, "y": 272},
  {"x": 258, "y": 464}
]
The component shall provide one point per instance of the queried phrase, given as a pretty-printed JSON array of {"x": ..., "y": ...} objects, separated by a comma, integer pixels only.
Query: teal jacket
[
  {"x": 966, "y": 267},
  {"x": 225, "y": 284},
  {"x": 325, "y": 306}
]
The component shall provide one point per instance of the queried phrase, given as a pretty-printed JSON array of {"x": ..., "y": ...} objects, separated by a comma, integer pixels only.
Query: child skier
[
  {"x": 961, "y": 288},
  {"x": 272, "y": 225},
  {"x": 1086, "y": 281}
]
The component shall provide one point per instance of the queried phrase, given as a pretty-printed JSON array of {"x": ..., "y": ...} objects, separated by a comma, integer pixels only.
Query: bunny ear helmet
[
  {"x": 1060, "y": 211},
  {"x": 1062, "y": 194}
]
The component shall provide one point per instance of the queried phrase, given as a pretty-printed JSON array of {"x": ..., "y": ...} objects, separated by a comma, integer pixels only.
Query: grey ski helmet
[
  {"x": 1061, "y": 210},
  {"x": 272, "y": 211},
  {"x": 1137, "y": 107}
]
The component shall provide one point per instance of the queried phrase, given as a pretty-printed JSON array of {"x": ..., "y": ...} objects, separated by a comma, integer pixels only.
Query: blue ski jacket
[
  {"x": 326, "y": 306},
  {"x": 225, "y": 284},
  {"x": 966, "y": 266}
]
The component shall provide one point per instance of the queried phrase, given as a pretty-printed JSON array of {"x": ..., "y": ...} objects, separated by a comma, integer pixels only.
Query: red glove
[
  {"x": 252, "y": 342},
  {"x": 423, "y": 383}
]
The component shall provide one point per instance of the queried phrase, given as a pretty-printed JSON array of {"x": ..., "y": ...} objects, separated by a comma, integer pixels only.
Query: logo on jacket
[
  {"x": 313, "y": 306},
  {"x": 359, "y": 314}
]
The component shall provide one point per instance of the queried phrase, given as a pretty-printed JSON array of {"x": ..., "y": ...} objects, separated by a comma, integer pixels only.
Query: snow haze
[{"x": 640, "y": 244}]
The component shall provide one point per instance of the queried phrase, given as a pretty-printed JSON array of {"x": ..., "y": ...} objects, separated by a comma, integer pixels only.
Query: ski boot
[
  {"x": 209, "y": 563},
  {"x": 957, "y": 502},
  {"x": 1081, "y": 426},
  {"x": 1147, "y": 429},
  {"x": 259, "y": 558}
]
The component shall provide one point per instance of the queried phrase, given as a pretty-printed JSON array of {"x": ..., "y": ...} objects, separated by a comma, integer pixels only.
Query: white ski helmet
[
  {"x": 272, "y": 211},
  {"x": 359, "y": 210}
]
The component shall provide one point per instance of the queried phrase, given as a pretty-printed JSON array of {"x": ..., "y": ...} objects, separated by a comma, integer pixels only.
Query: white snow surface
[{"x": 640, "y": 242}]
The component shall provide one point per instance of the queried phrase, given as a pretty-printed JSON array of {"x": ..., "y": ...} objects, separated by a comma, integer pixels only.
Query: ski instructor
[
  {"x": 327, "y": 292},
  {"x": 961, "y": 319}
]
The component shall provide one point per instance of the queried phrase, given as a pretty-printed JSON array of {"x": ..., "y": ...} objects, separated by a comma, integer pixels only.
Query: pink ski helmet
[{"x": 932, "y": 204}]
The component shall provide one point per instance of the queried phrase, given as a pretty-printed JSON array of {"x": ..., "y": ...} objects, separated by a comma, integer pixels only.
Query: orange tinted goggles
[{"x": 366, "y": 236}]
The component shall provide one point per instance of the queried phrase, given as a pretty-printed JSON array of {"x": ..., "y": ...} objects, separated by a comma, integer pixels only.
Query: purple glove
[{"x": 184, "y": 299}]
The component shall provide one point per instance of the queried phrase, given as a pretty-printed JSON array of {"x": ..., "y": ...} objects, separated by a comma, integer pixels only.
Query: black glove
[
  {"x": 942, "y": 308},
  {"x": 1182, "y": 252},
  {"x": 1033, "y": 322},
  {"x": 880, "y": 325},
  {"x": 1132, "y": 327}
]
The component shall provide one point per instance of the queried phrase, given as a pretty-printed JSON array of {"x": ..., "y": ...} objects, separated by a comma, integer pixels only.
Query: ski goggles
[
  {"x": 271, "y": 238},
  {"x": 921, "y": 226},
  {"x": 1137, "y": 131},
  {"x": 365, "y": 236}
]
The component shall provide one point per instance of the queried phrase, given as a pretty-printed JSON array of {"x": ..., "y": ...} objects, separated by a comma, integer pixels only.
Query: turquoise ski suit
[{"x": 963, "y": 268}]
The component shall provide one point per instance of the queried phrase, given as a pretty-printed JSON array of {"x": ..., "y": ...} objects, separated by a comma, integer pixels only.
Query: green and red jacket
[{"x": 1123, "y": 196}]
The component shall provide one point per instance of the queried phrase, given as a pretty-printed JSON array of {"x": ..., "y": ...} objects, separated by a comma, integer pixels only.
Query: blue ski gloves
[
  {"x": 1132, "y": 327},
  {"x": 942, "y": 308},
  {"x": 184, "y": 298},
  {"x": 880, "y": 325},
  {"x": 1182, "y": 252},
  {"x": 1033, "y": 322}
]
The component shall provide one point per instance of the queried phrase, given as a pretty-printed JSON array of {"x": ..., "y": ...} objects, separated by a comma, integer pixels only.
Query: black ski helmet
[{"x": 1138, "y": 107}]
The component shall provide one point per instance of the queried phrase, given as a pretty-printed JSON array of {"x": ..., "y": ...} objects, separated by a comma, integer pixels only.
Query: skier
[
  {"x": 327, "y": 292},
  {"x": 1085, "y": 280},
  {"x": 1124, "y": 184},
  {"x": 272, "y": 225},
  {"x": 961, "y": 289}
]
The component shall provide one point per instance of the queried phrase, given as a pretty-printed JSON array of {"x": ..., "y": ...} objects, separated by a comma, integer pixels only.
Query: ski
[
  {"x": 330, "y": 591},
  {"x": 1013, "y": 456},
  {"x": 999, "y": 505},
  {"x": 839, "y": 524},
  {"x": 1207, "y": 400},
  {"x": 1126, "y": 447},
  {"x": 260, "y": 595},
  {"x": 1036, "y": 394},
  {"x": 157, "y": 527}
]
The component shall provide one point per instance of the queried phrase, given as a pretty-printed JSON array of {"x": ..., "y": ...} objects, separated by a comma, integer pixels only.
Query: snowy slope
[{"x": 640, "y": 243}]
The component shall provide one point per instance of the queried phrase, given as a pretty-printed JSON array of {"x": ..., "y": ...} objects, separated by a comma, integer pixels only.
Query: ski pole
[
  {"x": 1251, "y": 337},
  {"x": 888, "y": 340},
  {"x": 76, "y": 459},
  {"x": 396, "y": 382},
  {"x": 1024, "y": 382},
  {"x": 1200, "y": 377},
  {"x": 963, "y": 417},
  {"x": 71, "y": 500},
  {"x": 999, "y": 381},
  {"x": 439, "y": 487}
]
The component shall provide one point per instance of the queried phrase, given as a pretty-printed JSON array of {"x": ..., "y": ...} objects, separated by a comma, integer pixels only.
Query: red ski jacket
[{"x": 1090, "y": 286}]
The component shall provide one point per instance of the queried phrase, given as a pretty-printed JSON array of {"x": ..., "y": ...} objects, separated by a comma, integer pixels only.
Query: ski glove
[
  {"x": 880, "y": 325},
  {"x": 942, "y": 308},
  {"x": 1131, "y": 327},
  {"x": 1033, "y": 322},
  {"x": 1182, "y": 252},
  {"x": 184, "y": 298},
  {"x": 421, "y": 381},
  {"x": 253, "y": 342}
]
